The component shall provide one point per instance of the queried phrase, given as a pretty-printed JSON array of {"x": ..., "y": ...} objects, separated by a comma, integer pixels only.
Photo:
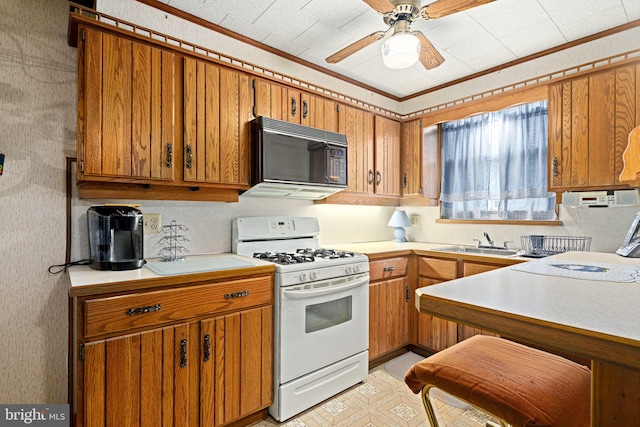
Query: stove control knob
[
  {"x": 313, "y": 275},
  {"x": 303, "y": 277},
  {"x": 356, "y": 268},
  {"x": 348, "y": 269}
]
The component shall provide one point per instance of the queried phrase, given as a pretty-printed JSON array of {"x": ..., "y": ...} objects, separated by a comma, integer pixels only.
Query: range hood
[{"x": 296, "y": 162}]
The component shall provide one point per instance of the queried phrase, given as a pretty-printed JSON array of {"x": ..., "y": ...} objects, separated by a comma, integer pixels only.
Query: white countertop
[
  {"x": 604, "y": 307},
  {"x": 85, "y": 276}
]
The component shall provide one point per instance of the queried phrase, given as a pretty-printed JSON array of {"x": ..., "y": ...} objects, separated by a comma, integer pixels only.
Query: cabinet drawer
[
  {"x": 471, "y": 268},
  {"x": 124, "y": 312},
  {"x": 387, "y": 268},
  {"x": 437, "y": 268}
]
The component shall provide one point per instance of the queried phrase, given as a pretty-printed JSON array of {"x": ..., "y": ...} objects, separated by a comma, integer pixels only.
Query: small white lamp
[{"x": 399, "y": 220}]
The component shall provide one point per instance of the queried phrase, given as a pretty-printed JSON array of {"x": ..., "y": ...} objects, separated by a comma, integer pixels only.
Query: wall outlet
[
  {"x": 415, "y": 220},
  {"x": 151, "y": 223}
]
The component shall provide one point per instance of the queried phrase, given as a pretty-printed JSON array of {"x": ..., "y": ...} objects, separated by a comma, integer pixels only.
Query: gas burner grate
[
  {"x": 325, "y": 253},
  {"x": 284, "y": 258}
]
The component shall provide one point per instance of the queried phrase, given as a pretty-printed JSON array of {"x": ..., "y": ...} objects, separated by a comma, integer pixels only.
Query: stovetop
[{"x": 305, "y": 255}]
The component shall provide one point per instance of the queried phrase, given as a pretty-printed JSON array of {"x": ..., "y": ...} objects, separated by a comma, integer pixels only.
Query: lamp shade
[
  {"x": 399, "y": 219},
  {"x": 401, "y": 51}
]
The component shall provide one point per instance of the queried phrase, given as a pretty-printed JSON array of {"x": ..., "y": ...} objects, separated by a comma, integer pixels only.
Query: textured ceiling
[{"x": 471, "y": 41}]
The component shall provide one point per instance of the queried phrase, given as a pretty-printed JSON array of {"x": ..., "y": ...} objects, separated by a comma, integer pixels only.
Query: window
[{"x": 494, "y": 166}]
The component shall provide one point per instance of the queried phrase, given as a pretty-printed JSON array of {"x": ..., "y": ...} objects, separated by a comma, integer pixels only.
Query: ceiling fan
[{"x": 406, "y": 47}]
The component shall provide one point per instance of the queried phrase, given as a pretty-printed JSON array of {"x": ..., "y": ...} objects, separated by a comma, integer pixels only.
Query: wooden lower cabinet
[
  {"x": 207, "y": 371},
  {"x": 388, "y": 306},
  {"x": 435, "y": 333}
]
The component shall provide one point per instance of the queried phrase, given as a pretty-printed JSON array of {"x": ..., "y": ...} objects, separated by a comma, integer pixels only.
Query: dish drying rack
[
  {"x": 173, "y": 242},
  {"x": 538, "y": 246}
]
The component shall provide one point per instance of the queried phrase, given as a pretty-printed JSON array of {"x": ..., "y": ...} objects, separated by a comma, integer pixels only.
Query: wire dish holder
[
  {"x": 173, "y": 242},
  {"x": 551, "y": 245}
]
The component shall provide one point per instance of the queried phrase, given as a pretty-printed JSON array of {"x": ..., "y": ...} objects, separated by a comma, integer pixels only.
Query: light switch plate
[
  {"x": 151, "y": 223},
  {"x": 415, "y": 220}
]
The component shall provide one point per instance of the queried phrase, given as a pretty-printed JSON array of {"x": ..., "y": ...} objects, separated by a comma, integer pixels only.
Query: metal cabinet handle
[
  {"x": 554, "y": 167},
  {"x": 236, "y": 295},
  {"x": 207, "y": 347},
  {"x": 183, "y": 353},
  {"x": 389, "y": 269},
  {"x": 305, "y": 109},
  {"x": 407, "y": 294},
  {"x": 169, "y": 154},
  {"x": 294, "y": 106},
  {"x": 370, "y": 176},
  {"x": 143, "y": 310},
  {"x": 189, "y": 156},
  {"x": 378, "y": 177}
]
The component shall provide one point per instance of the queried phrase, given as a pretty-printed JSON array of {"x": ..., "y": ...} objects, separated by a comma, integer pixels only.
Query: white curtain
[{"x": 494, "y": 166}]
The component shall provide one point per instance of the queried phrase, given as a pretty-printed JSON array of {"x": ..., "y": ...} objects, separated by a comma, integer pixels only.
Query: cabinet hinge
[
  {"x": 420, "y": 122},
  {"x": 81, "y": 165},
  {"x": 337, "y": 108},
  {"x": 82, "y": 35},
  {"x": 407, "y": 294},
  {"x": 81, "y": 352},
  {"x": 253, "y": 83}
]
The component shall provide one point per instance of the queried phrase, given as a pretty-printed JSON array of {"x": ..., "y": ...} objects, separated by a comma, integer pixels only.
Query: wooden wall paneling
[{"x": 601, "y": 148}]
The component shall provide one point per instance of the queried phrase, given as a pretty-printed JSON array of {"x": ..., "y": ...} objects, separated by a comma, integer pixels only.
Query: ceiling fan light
[{"x": 401, "y": 51}]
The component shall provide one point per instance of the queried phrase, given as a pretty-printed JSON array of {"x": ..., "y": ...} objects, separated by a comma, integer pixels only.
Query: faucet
[{"x": 486, "y": 235}]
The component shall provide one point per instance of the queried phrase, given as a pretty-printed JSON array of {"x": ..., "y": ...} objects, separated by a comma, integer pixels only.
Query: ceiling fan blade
[
  {"x": 354, "y": 47},
  {"x": 429, "y": 56},
  {"x": 441, "y": 8},
  {"x": 381, "y": 6}
]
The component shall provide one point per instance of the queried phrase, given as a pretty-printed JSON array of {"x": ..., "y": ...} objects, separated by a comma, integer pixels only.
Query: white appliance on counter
[
  {"x": 321, "y": 310},
  {"x": 601, "y": 199}
]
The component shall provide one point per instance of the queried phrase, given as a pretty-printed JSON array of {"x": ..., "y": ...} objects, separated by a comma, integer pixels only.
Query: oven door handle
[{"x": 290, "y": 293}]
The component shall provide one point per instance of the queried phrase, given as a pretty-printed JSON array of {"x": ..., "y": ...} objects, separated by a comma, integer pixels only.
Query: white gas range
[{"x": 321, "y": 310}]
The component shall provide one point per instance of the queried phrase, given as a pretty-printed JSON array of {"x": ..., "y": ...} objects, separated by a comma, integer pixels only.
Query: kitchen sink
[{"x": 477, "y": 250}]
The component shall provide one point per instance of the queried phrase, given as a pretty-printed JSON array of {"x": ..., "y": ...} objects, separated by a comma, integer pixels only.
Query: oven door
[{"x": 321, "y": 323}]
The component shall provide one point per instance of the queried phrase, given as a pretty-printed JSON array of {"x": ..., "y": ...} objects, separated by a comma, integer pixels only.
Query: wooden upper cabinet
[
  {"x": 387, "y": 157},
  {"x": 358, "y": 126},
  {"x": 411, "y": 167},
  {"x": 217, "y": 112},
  {"x": 126, "y": 95},
  {"x": 287, "y": 104},
  {"x": 590, "y": 118}
]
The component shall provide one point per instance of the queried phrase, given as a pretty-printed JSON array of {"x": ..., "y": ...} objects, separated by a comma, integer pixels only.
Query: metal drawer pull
[
  {"x": 143, "y": 310},
  {"x": 169, "y": 154},
  {"x": 183, "y": 353},
  {"x": 236, "y": 295},
  {"x": 389, "y": 269},
  {"x": 207, "y": 347},
  {"x": 189, "y": 157}
]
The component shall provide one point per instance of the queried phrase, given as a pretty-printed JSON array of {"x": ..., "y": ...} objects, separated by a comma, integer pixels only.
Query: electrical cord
[{"x": 63, "y": 267}]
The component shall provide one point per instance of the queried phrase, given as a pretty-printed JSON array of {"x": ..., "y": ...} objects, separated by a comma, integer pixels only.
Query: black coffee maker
[{"x": 115, "y": 237}]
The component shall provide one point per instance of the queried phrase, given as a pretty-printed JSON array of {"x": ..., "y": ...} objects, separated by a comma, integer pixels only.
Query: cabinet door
[
  {"x": 216, "y": 124},
  {"x": 412, "y": 159},
  {"x": 236, "y": 365},
  {"x": 435, "y": 333},
  {"x": 590, "y": 119},
  {"x": 387, "y": 156},
  {"x": 357, "y": 125},
  {"x": 388, "y": 316},
  {"x": 138, "y": 380},
  {"x": 318, "y": 112},
  {"x": 125, "y": 109}
]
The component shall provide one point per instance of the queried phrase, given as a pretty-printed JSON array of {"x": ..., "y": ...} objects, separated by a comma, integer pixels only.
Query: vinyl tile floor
[{"x": 380, "y": 401}]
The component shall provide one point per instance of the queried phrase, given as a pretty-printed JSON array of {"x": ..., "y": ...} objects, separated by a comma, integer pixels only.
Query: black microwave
[{"x": 286, "y": 153}]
